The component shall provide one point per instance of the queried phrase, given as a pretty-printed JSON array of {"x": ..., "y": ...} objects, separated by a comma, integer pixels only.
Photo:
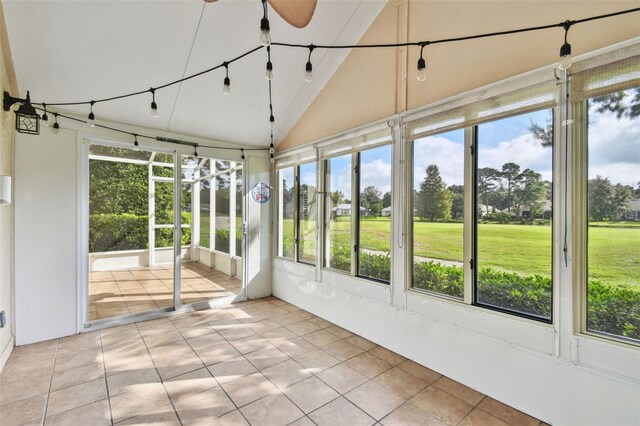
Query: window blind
[
  {"x": 365, "y": 139},
  {"x": 299, "y": 156},
  {"x": 529, "y": 92}
]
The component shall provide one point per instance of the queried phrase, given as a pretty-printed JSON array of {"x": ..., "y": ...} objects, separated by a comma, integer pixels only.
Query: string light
[
  {"x": 226, "y": 89},
  {"x": 195, "y": 150},
  {"x": 565, "y": 49},
  {"x": 265, "y": 30},
  {"x": 56, "y": 126},
  {"x": 154, "y": 105},
  {"x": 242, "y": 154},
  {"x": 45, "y": 117},
  {"x": 308, "y": 75},
  {"x": 269, "y": 72},
  {"x": 135, "y": 140},
  {"x": 422, "y": 65},
  {"x": 91, "y": 118}
]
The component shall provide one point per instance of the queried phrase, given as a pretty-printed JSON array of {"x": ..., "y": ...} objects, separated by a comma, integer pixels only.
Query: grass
[{"x": 524, "y": 249}]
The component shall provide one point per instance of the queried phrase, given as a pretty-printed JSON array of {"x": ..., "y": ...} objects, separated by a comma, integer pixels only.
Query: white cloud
[
  {"x": 524, "y": 150},
  {"x": 446, "y": 154},
  {"x": 376, "y": 173}
]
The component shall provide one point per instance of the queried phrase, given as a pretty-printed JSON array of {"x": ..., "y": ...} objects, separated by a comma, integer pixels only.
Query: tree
[
  {"x": 434, "y": 199},
  {"x": 606, "y": 201},
  {"x": 457, "y": 201},
  {"x": 337, "y": 197},
  {"x": 531, "y": 192},
  {"x": 486, "y": 177},
  {"x": 371, "y": 199},
  {"x": 511, "y": 173},
  {"x": 614, "y": 102},
  {"x": 386, "y": 200},
  {"x": 543, "y": 134}
]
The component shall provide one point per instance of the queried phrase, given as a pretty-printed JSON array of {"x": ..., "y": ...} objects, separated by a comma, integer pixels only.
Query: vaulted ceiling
[{"x": 82, "y": 50}]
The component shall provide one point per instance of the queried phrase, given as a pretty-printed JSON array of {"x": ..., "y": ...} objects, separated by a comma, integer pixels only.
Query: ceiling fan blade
[{"x": 297, "y": 13}]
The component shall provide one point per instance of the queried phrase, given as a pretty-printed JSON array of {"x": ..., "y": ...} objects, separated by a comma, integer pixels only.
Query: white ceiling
[{"x": 81, "y": 50}]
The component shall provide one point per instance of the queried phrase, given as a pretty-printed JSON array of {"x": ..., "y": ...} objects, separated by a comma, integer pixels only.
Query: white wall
[{"x": 48, "y": 248}]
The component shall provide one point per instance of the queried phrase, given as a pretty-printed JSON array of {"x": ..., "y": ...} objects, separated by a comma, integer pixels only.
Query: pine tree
[{"x": 434, "y": 199}]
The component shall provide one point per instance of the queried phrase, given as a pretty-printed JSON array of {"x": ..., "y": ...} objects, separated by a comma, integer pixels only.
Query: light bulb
[
  {"x": 273, "y": 160},
  {"x": 226, "y": 89},
  {"x": 265, "y": 34},
  {"x": 565, "y": 57},
  {"x": 271, "y": 150},
  {"x": 308, "y": 75},
  {"x": 565, "y": 63},
  {"x": 91, "y": 120},
  {"x": 272, "y": 122},
  {"x": 56, "y": 128},
  {"x": 422, "y": 67},
  {"x": 269, "y": 73},
  {"x": 154, "y": 109}
]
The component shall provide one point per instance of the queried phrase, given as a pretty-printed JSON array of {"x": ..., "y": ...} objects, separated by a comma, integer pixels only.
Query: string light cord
[
  {"x": 156, "y": 138},
  {"x": 354, "y": 46}
]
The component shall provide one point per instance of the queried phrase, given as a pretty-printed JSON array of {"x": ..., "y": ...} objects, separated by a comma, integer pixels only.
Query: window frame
[{"x": 296, "y": 231}]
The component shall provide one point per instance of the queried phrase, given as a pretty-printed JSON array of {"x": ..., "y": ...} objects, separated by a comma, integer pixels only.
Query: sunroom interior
[{"x": 317, "y": 212}]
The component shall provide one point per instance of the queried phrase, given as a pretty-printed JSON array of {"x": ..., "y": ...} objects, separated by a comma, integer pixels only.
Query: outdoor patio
[{"x": 128, "y": 291}]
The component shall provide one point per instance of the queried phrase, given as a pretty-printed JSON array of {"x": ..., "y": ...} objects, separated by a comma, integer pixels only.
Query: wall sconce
[
  {"x": 5, "y": 190},
  {"x": 27, "y": 118}
]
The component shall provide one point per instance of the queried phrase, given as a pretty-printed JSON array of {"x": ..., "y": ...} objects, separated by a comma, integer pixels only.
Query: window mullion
[
  {"x": 469, "y": 242},
  {"x": 355, "y": 212}
]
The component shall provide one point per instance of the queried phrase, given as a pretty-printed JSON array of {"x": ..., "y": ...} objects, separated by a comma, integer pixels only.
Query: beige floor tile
[
  {"x": 199, "y": 408},
  {"x": 189, "y": 384},
  {"x": 361, "y": 342},
  {"x": 320, "y": 322},
  {"x": 130, "y": 380},
  {"x": 24, "y": 389},
  {"x": 271, "y": 410},
  {"x": 419, "y": 371},
  {"x": 206, "y": 341},
  {"x": 459, "y": 390},
  {"x": 217, "y": 353},
  {"x": 233, "y": 418},
  {"x": 164, "y": 417},
  {"x": 374, "y": 399},
  {"x": 505, "y": 413},
  {"x": 16, "y": 371},
  {"x": 231, "y": 369},
  {"x": 75, "y": 376},
  {"x": 368, "y": 365},
  {"x": 76, "y": 396},
  {"x": 94, "y": 414},
  {"x": 342, "y": 378},
  {"x": 295, "y": 347},
  {"x": 342, "y": 350},
  {"x": 321, "y": 338},
  {"x": 175, "y": 359},
  {"x": 80, "y": 342},
  {"x": 387, "y": 355},
  {"x": 410, "y": 415},
  {"x": 341, "y": 412},
  {"x": 339, "y": 331},
  {"x": 265, "y": 358},
  {"x": 251, "y": 344},
  {"x": 144, "y": 399},
  {"x": 317, "y": 360},
  {"x": 400, "y": 382},
  {"x": 70, "y": 359},
  {"x": 310, "y": 394},
  {"x": 119, "y": 362},
  {"x": 441, "y": 405},
  {"x": 163, "y": 338},
  {"x": 278, "y": 335},
  {"x": 263, "y": 326},
  {"x": 286, "y": 373},
  {"x": 249, "y": 388},
  {"x": 302, "y": 421},
  {"x": 23, "y": 412},
  {"x": 303, "y": 327},
  {"x": 479, "y": 417}
]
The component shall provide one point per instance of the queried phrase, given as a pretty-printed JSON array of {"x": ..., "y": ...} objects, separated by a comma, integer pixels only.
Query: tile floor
[
  {"x": 263, "y": 362},
  {"x": 116, "y": 293}
]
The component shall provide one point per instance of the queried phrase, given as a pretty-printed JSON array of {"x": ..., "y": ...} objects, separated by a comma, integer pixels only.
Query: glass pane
[
  {"x": 285, "y": 213},
  {"x": 239, "y": 202},
  {"x": 513, "y": 186},
  {"x": 438, "y": 208},
  {"x": 205, "y": 212},
  {"x": 162, "y": 157},
  {"x": 338, "y": 181},
  {"x": 307, "y": 213},
  {"x": 163, "y": 203},
  {"x": 161, "y": 171},
  {"x": 122, "y": 280},
  {"x": 613, "y": 304},
  {"x": 374, "y": 239},
  {"x": 222, "y": 165},
  {"x": 222, "y": 225},
  {"x": 187, "y": 215}
]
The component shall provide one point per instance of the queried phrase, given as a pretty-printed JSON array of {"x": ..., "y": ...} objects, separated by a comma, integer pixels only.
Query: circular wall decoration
[{"x": 261, "y": 193}]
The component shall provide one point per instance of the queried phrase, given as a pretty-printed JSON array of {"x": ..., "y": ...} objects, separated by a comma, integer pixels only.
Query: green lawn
[{"x": 524, "y": 249}]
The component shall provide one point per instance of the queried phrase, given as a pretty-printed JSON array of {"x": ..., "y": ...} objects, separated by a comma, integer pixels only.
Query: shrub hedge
[{"x": 611, "y": 309}]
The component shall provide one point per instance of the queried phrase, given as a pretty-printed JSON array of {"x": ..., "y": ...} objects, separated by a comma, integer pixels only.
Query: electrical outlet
[{"x": 3, "y": 319}]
